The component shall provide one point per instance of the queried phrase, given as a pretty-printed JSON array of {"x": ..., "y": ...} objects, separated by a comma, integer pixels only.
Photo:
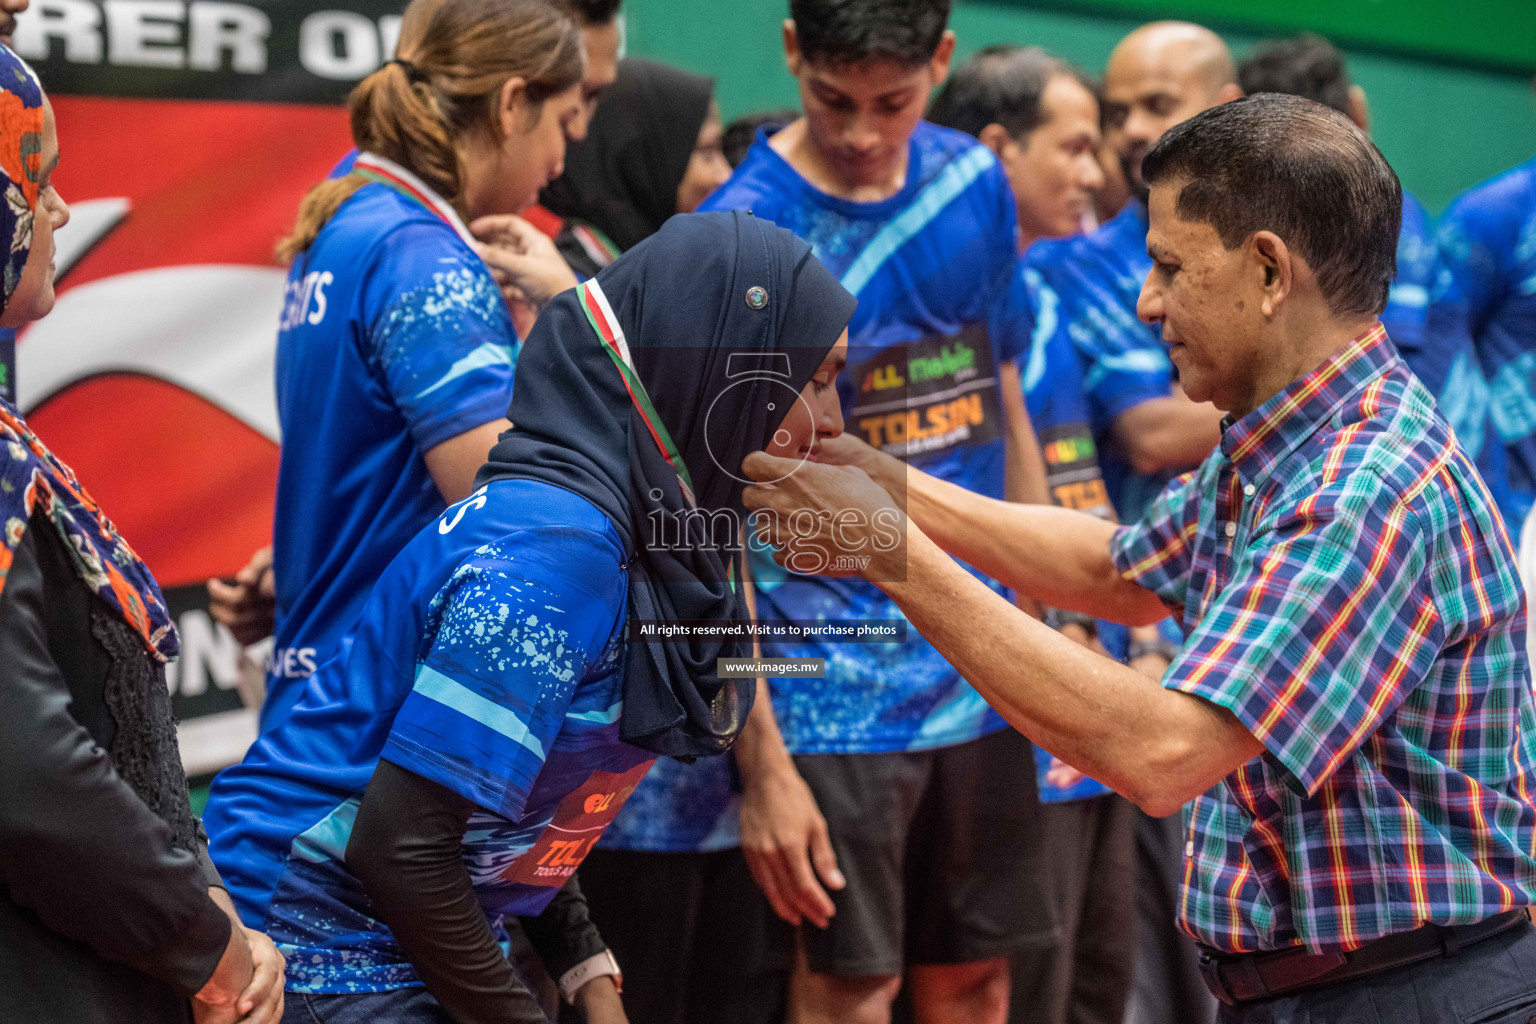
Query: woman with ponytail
[{"x": 395, "y": 346}]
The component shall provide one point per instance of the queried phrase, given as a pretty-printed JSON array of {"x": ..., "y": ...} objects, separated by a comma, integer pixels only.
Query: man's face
[
  {"x": 601, "y": 43},
  {"x": 860, "y": 115},
  {"x": 1208, "y": 300},
  {"x": 8, "y": 11},
  {"x": 1147, "y": 90},
  {"x": 1054, "y": 170}
]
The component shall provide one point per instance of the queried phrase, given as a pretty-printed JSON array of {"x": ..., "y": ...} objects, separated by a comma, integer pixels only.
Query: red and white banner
[{"x": 188, "y": 133}]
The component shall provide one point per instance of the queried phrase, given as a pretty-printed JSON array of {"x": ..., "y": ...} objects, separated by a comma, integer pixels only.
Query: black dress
[{"x": 104, "y": 876}]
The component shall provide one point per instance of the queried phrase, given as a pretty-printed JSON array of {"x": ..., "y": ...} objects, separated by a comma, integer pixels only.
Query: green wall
[{"x": 1444, "y": 125}]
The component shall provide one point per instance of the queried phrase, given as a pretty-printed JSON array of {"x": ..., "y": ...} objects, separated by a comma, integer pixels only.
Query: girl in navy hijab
[{"x": 500, "y": 700}]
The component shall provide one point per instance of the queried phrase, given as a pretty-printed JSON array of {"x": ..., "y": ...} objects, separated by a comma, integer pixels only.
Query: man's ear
[
  {"x": 1275, "y": 264},
  {"x": 792, "y": 55},
  {"x": 938, "y": 65},
  {"x": 996, "y": 138},
  {"x": 1359, "y": 110},
  {"x": 1229, "y": 92}
]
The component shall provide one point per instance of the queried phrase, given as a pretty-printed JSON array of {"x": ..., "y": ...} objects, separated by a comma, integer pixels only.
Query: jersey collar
[{"x": 387, "y": 172}]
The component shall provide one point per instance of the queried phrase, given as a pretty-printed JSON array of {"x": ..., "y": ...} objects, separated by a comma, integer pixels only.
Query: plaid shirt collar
[{"x": 1261, "y": 440}]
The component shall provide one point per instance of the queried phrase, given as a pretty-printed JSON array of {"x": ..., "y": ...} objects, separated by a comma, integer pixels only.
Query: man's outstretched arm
[
  {"x": 1157, "y": 747},
  {"x": 1056, "y": 556}
]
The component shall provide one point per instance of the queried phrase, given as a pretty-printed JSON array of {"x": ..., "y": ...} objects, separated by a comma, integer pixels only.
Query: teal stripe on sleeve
[
  {"x": 939, "y": 193},
  {"x": 448, "y": 692}
]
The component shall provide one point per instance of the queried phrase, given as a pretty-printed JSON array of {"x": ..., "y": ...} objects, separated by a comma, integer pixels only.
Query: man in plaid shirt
[{"x": 1351, "y": 717}]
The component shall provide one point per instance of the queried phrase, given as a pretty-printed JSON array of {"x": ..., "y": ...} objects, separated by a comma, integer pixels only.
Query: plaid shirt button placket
[{"x": 1349, "y": 593}]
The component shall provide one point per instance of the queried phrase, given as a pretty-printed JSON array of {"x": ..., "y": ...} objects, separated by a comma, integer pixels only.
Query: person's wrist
[
  {"x": 599, "y": 970},
  {"x": 598, "y": 991},
  {"x": 233, "y": 972},
  {"x": 884, "y": 469},
  {"x": 760, "y": 760}
]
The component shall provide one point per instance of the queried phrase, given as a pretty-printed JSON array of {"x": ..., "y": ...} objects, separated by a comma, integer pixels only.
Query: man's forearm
[
  {"x": 1056, "y": 556},
  {"x": 1157, "y": 747},
  {"x": 1172, "y": 433}
]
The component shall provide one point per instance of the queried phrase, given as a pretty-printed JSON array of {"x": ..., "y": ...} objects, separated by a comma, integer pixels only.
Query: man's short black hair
[
  {"x": 846, "y": 31},
  {"x": 1297, "y": 168},
  {"x": 1001, "y": 85},
  {"x": 1307, "y": 65},
  {"x": 592, "y": 12}
]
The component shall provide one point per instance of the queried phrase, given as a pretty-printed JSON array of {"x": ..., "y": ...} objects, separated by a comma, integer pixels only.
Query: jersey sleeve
[
  {"x": 1473, "y": 244},
  {"x": 438, "y": 336},
  {"x": 1011, "y": 320},
  {"x": 1124, "y": 360},
  {"x": 515, "y": 630},
  {"x": 1013, "y": 315}
]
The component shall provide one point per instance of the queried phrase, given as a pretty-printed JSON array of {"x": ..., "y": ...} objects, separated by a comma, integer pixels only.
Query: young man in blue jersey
[
  {"x": 1487, "y": 242},
  {"x": 1040, "y": 116},
  {"x": 929, "y": 803},
  {"x": 1443, "y": 358}
]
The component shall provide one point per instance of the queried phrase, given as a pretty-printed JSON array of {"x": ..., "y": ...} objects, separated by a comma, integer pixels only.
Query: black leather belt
[{"x": 1240, "y": 977}]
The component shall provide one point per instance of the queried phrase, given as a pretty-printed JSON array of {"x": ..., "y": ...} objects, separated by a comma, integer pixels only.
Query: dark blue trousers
[{"x": 1492, "y": 982}]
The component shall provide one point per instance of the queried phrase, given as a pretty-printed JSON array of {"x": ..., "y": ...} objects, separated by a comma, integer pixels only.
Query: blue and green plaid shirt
[{"x": 1348, "y": 591}]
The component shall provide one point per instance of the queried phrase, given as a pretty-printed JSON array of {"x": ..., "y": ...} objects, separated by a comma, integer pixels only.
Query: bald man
[{"x": 1145, "y": 428}]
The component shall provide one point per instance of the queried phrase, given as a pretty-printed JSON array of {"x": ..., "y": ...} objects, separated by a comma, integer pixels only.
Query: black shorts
[
  {"x": 941, "y": 851},
  {"x": 693, "y": 934},
  {"x": 1090, "y": 849}
]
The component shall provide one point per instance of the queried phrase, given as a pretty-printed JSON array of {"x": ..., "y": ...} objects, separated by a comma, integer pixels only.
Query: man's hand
[
  {"x": 782, "y": 836},
  {"x": 600, "y": 1003},
  {"x": 522, "y": 259},
  {"x": 825, "y": 520},
  {"x": 246, "y": 607}
]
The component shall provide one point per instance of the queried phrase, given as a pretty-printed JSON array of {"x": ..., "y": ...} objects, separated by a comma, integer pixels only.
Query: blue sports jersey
[
  {"x": 1487, "y": 241},
  {"x": 940, "y": 307},
  {"x": 394, "y": 339},
  {"x": 1408, "y": 301},
  {"x": 1092, "y": 282},
  {"x": 1052, "y": 375},
  {"x": 1439, "y": 351},
  {"x": 489, "y": 660}
]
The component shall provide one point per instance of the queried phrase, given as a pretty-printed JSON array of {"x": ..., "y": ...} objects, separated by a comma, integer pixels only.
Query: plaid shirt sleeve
[
  {"x": 1157, "y": 551},
  {"x": 1326, "y": 624}
]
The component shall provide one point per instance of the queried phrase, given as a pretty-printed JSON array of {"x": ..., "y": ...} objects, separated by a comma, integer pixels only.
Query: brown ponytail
[{"x": 452, "y": 60}]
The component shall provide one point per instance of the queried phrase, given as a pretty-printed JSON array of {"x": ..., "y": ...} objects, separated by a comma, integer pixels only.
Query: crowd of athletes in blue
[{"x": 477, "y": 796}]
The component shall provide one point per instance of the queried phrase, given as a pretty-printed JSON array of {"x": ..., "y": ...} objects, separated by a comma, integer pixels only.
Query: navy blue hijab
[{"x": 727, "y": 318}]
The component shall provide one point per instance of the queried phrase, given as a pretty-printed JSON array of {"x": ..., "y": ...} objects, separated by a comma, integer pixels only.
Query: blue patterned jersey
[
  {"x": 1438, "y": 349},
  {"x": 393, "y": 339},
  {"x": 1052, "y": 377},
  {"x": 1487, "y": 241},
  {"x": 1090, "y": 284},
  {"x": 489, "y": 660}
]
